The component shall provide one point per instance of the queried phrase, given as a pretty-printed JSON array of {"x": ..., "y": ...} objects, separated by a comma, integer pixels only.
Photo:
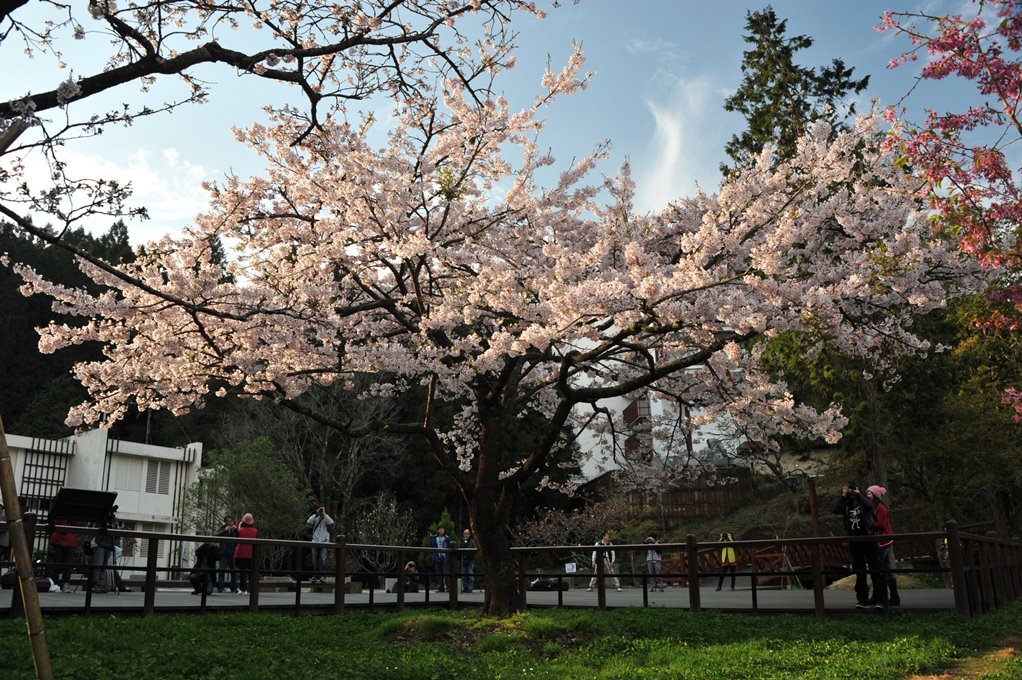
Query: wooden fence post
[
  {"x": 149, "y": 601},
  {"x": 253, "y": 586},
  {"x": 692, "y": 553},
  {"x": 340, "y": 575},
  {"x": 818, "y": 580},
  {"x": 957, "y": 564},
  {"x": 452, "y": 575},
  {"x": 401, "y": 580}
]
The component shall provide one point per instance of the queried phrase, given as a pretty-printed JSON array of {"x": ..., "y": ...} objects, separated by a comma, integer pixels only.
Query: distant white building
[
  {"x": 150, "y": 482},
  {"x": 677, "y": 440}
]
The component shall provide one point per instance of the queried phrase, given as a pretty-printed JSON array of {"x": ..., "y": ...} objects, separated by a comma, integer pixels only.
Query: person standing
[
  {"x": 104, "y": 578},
  {"x": 62, "y": 555},
  {"x": 227, "y": 573},
  {"x": 859, "y": 513},
  {"x": 728, "y": 560},
  {"x": 885, "y": 545},
  {"x": 321, "y": 524},
  {"x": 440, "y": 541},
  {"x": 608, "y": 562},
  {"x": 468, "y": 561},
  {"x": 654, "y": 563},
  {"x": 243, "y": 553}
]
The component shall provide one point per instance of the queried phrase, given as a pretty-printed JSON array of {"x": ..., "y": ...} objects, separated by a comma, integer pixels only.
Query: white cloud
[
  {"x": 684, "y": 150},
  {"x": 169, "y": 186}
]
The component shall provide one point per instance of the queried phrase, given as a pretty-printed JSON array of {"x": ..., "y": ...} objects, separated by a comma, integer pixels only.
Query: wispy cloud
[{"x": 685, "y": 148}]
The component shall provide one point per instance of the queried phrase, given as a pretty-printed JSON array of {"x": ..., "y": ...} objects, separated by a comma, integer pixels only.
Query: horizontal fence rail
[{"x": 982, "y": 571}]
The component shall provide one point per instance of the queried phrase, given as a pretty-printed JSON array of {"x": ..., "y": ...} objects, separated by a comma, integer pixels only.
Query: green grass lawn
[{"x": 561, "y": 644}]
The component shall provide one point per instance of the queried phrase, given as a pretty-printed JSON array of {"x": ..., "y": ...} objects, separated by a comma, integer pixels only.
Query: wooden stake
[{"x": 23, "y": 563}]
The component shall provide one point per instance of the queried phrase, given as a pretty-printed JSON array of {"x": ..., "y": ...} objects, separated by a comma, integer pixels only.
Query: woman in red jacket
[
  {"x": 884, "y": 530},
  {"x": 243, "y": 553},
  {"x": 62, "y": 555}
]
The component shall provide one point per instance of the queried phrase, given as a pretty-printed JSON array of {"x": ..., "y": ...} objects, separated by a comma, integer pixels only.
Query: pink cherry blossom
[{"x": 974, "y": 191}]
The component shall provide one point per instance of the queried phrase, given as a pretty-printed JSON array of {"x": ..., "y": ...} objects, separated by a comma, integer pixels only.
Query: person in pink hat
[
  {"x": 886, "y": 545},
  {"x": 243, "y": 553}
]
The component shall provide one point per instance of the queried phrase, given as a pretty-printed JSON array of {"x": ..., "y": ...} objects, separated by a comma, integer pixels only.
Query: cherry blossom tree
[
  {"x": 969, "y": 157},
  {"x": 442, "y": 262},
  {"x": 332, "y": 55}
]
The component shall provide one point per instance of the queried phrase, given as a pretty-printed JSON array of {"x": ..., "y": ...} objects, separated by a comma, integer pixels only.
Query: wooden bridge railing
[{"x": 985, "y": 572}]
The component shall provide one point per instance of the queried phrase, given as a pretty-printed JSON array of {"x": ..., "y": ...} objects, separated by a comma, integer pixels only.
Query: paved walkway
[{"x": 767, "y": 600}]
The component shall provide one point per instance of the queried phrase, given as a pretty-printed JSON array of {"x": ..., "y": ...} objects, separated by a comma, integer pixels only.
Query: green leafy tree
[
  {"x": 941, "y": 435},
  {"x": 779, "y": 98},
  {"x": 249, "y": 477},
  {"x": 338, "y": 470}
]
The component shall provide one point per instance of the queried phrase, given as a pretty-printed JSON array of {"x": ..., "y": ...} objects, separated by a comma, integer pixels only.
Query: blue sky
[{"x": 662, "y": 69}]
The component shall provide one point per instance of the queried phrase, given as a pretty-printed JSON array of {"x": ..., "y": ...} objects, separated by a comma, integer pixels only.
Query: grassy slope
[{"x": 542, "y": 644}]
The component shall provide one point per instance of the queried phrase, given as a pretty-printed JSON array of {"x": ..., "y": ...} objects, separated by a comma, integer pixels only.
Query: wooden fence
[{"x": 985, "y": 572}]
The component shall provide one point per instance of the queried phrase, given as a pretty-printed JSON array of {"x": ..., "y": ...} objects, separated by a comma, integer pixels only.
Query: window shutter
[
  {"x": 152, "y": 476},
  {"x": 164, "y": 485},
  {"x": 157, "y": 478}
]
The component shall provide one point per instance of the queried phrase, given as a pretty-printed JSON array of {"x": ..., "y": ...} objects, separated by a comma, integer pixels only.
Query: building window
[
  {"x": 128, "y": 474},
  {"x": 143, "y": 543},
  {"x": 43, "y": 476},
  {"x": 158, "y": 477}
]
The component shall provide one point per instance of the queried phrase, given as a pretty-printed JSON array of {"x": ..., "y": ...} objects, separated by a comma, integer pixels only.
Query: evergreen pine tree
[{"x": 779, "y": 98}]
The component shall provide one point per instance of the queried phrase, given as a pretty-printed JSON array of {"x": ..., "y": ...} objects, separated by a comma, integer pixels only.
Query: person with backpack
[
  {"x": 608, "y": 562},
  {"x": 654, "y": 563},
  {"x": 728, "y": 560},
  {"x": 859, "y": 513},
  {"x": 207, "y": 555}
]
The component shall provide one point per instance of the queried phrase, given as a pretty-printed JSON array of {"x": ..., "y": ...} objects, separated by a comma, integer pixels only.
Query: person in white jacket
[
  {"x": 608, "y": 562},
  {"x": 320, "y": 523}
]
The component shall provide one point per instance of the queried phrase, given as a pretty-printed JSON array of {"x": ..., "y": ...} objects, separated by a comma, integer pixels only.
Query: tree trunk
[
  {"x": 502, "y": 597},
  {"x": 494, "y": 560},
  {"x": 489, "y": 511}
]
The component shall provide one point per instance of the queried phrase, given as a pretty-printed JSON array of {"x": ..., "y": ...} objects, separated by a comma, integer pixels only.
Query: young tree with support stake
[{"x": 439, "y": 261}]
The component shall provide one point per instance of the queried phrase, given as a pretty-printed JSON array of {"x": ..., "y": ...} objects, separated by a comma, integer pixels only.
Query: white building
[
  {"x": 150, "y": 482},
  {"x": 677, "y": 441}
]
